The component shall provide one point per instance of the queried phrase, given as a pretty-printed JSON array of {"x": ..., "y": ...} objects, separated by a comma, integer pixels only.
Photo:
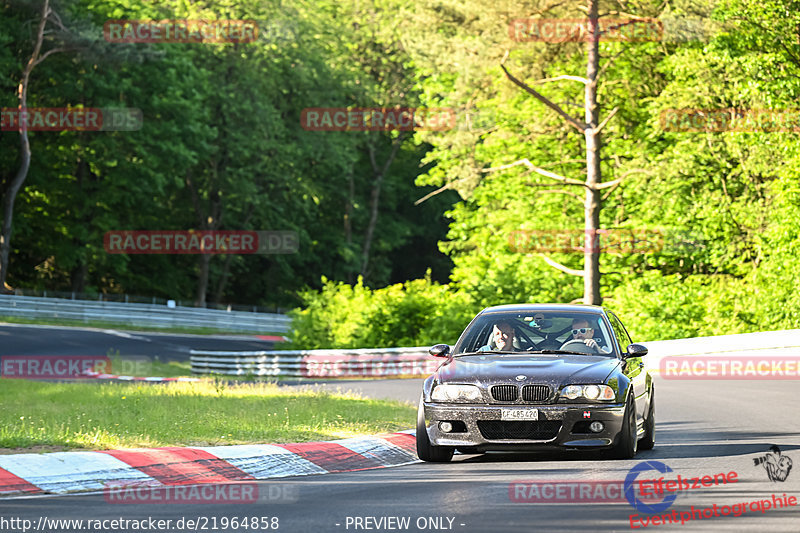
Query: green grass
[
  {"x": 144, "y": 366},
  {"x": 121, "y": 415},
  {"x": 123, "y": 327}
]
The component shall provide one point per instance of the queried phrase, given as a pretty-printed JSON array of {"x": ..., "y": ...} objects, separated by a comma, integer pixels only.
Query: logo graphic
[
  {"x": 520, "y": 378},
  {"x": 630, "y": 495},
  {"x": 777, "y": 466}
]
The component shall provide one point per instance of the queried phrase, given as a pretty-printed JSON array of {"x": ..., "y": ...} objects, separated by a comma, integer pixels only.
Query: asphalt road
[
  {"x": 704, "y": 427},
  {"x": 26, "y": 340}
]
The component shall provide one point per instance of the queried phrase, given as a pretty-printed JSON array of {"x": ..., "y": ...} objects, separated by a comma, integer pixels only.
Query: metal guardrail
[
  {"x": 382, "y": 362},
  {"x": 142, "y": 315},
  {"x": 763, "y": 343},
  {"x": 371, "y": 362}
]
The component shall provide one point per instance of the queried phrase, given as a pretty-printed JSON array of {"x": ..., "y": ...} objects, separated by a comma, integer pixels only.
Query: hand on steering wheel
[{"x": 574, "y": 345}]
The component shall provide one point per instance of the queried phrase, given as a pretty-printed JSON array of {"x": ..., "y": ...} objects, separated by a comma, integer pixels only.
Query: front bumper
[{"x": 570, "y": 434}]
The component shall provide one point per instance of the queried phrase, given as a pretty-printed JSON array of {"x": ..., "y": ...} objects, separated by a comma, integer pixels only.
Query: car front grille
[
  {"x": 505, "y": 393},
  {"x": 530, "y": 393},
  {"x": 535, "y": 393},
  {"x": 519, "y": 430}
]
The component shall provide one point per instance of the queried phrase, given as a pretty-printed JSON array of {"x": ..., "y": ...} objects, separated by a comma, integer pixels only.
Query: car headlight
[
  {"x": 456, "y": 393},
  {"x": 589, "y": 392}
]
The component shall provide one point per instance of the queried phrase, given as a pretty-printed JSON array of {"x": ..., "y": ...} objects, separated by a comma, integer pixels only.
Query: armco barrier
[
  {"x": 142, "y": 315},
  {"x": 763, "y": 343},
  {"x": 375, "y": 362},
  {"x": 382, "y": 362}
]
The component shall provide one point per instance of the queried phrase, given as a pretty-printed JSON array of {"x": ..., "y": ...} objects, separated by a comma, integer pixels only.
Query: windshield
[{"x": 544, "y": 332}]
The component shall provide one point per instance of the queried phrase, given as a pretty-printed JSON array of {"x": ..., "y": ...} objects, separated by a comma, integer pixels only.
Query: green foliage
[
  {"x": 415, "y": 313},
  {"x": 222, "y": 145}
]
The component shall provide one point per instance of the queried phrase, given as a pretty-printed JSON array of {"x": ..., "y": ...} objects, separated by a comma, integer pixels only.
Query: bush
[
  {"x": 415, "y": 313},
  {"x": 658, "y": 307}
]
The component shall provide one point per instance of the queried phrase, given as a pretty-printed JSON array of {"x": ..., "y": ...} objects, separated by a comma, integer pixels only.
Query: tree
[
  {"x": 47, "y": 15},
  {"x": 591, "y": 127},
  {"x": 524, "y": 135}
]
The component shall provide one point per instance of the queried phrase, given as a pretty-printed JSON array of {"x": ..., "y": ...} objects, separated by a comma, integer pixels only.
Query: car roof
[{"x": 531, "y": 308}]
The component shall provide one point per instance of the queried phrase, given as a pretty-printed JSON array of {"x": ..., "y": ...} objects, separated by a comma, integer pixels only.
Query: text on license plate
[{"x": 519, "y": 414}]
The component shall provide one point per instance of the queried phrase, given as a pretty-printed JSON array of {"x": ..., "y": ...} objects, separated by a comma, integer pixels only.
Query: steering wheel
[{"x": 577, "y": 345}]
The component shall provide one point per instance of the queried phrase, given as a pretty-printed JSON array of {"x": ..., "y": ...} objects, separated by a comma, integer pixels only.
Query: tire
[
  {"x": 649, "y": 439},
  {"x": 425, "y": 450},
  {"x": 627, "y": 445}
]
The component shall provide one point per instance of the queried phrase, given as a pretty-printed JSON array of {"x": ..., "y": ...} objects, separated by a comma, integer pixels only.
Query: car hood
[{"x": 543, "y": 369}]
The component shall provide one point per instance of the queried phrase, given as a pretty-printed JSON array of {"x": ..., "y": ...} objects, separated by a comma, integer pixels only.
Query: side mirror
[
  {"x": 636, "y": 350},
  {"x": 440, "y": 350}
]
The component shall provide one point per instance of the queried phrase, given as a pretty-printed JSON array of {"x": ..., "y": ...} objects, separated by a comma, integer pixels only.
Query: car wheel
[
  {"x": 649, "y": 439},
  {"x": 626, "y": 447},
  {"x": 425, "y": 450}
]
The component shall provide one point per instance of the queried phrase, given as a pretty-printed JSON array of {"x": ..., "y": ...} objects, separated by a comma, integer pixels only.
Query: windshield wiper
[
  {"x": 485, "y": 352},
  {"x": 467, "y": 353},
  {"x": 555, "y": 352}
]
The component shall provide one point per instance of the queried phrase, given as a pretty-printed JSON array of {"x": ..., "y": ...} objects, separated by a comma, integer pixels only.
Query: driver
[
  {"x": 582, "y": 332},
  {"x": 503, "y": 337}
]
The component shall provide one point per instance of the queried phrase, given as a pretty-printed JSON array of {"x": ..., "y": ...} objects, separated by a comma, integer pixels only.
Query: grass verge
[{"x": 52, "y": 416}]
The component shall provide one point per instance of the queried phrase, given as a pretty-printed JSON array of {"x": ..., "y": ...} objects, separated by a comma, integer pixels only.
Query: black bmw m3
[{"x": 534, "y": 377}]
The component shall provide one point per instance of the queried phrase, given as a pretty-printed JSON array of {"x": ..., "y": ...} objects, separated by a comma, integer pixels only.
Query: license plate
[{"x": 519, "y": 414}]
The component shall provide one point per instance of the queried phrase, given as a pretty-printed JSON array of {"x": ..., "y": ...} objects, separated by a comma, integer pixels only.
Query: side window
[
  {"x": 604, "y": 333},
  {"x": 619, "y": 332}
]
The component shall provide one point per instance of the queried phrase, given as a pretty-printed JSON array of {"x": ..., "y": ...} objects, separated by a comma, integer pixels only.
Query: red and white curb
[{"x": 65, "y": 472}]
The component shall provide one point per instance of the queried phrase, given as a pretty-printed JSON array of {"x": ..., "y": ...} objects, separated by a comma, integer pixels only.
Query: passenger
[
  {"x": 502, "y": 339},
  {"x": 582, "y": 331}
]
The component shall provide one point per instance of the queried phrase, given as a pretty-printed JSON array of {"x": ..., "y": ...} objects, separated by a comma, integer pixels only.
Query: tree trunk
[
  {"x": 78, "y": 277},
  {"x": 10, "y": 195},
  {"x": 592, "y": 205},
  {"x": 226, "y": 267},
  {"x": 374, "y": 201},
  {"x": 205, "y": 222},
  {"x": 202, "y": 280},
  {"x": 348, "y": 220},
  {"x": 223, "y": 279}
]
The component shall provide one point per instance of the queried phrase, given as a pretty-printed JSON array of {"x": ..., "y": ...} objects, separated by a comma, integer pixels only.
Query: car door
[{"x": 634, "y": 367}]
